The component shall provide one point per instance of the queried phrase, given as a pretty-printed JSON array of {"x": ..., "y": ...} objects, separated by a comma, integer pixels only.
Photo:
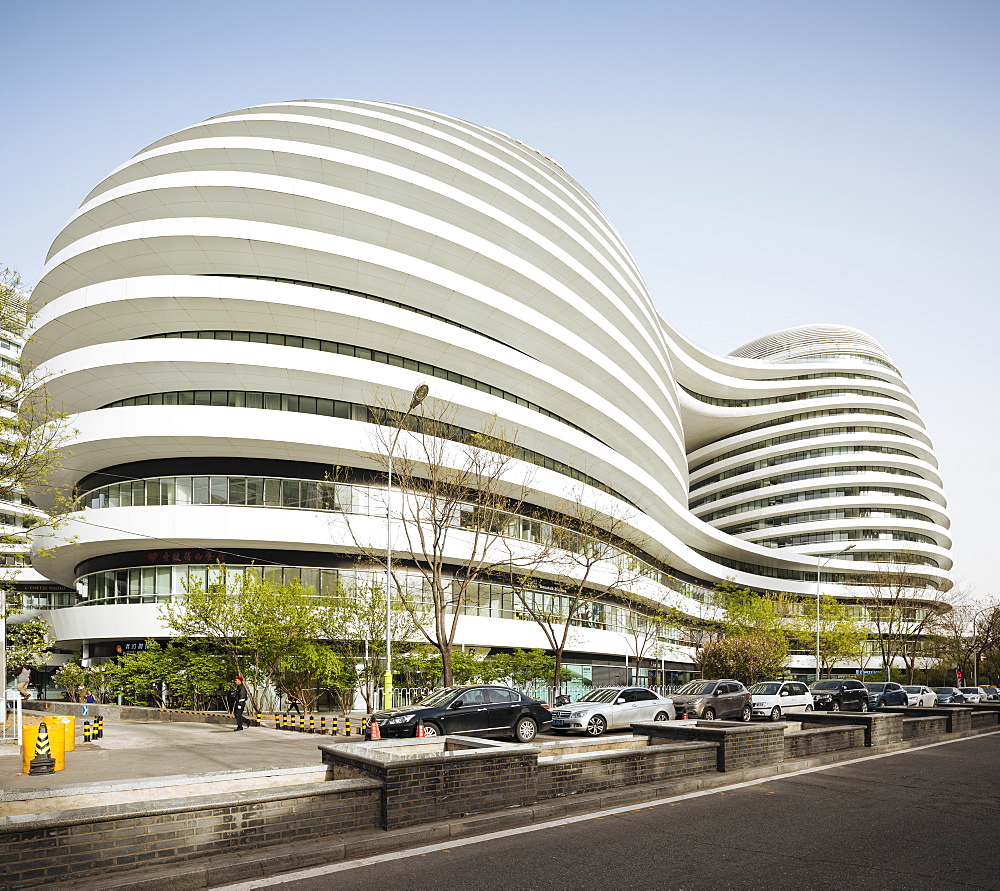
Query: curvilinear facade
[{"x": 226, "y": 306}]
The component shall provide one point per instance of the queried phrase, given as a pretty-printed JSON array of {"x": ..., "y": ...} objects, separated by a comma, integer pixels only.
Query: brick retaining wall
[
  {"x": 96, "y": 841},
  {"x": 918, "y": 728},
  {"x": 822, "y": 741},
  {"x": 569, "y": 775},
  {"x": 740, "y": 746}
]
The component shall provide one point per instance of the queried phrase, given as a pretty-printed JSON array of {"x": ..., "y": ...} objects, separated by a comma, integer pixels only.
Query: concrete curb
[{"x": 229, "y": 868}]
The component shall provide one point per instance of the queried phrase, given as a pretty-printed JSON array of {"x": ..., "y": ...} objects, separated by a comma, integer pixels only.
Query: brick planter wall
[
  {"x": 428, "y": 786},
  {"x": 917, "y": 728},
  {"x": 822, "y": 741},
  {"x": 882, "y": 728},
  {"x": 741, "y": 746},
  {"x": 959, "y": 716},
  {"x": 982, "y": 719},
  {"x": 575, "y": 775},
  {"x": 99, "y": 841}
]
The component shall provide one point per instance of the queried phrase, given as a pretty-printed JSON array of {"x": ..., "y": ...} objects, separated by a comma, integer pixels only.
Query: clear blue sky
[{"x": 768, "y": 163}]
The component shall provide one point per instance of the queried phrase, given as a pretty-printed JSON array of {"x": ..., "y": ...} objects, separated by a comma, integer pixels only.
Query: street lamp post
[
  {"x": 419, "y": 395},
  {"x": 819, "y": 567}
]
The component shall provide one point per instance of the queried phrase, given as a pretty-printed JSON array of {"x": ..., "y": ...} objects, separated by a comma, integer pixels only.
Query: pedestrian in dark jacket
[{"x": 239, "y": 703}]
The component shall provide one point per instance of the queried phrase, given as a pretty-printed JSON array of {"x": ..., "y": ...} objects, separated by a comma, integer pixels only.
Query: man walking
[{"x": 239, "y": 702}]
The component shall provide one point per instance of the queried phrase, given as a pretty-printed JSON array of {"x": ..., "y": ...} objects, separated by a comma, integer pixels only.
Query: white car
[
  {"x": 920, "y": 697},
  {"x": 974, "y": 694},
  {"x": 607, "y": 707},
  {"x": 770, "y": 699}
]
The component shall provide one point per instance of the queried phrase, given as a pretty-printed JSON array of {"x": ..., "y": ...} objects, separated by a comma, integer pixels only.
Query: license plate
[{"x": 557, "y": 723}]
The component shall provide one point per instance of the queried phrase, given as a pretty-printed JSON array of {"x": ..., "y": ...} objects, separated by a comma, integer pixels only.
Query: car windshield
[
  {"x": 438, "y": 697},
  {"x": 605, "y": 694},
  {"x": 825, "y": 685},
  {"x": 912, "y": 689},
  {"x": 875, "y": 688},
  {"x": 696, "y": 688},
  {"x": 969, "y": 689},
  {"x": 765, "y": 689},
  {"x": 944, "y": 690}
]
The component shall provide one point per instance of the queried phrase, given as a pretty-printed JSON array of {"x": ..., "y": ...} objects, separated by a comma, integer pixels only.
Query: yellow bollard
[
  {"x": 69, "y": 727},
  {"x": 57, "y": 746}
]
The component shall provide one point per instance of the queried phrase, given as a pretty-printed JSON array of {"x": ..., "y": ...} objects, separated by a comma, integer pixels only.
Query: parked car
[
  {"x": 771, "y": 698},
  {"x": 838, "y": 695},
  {"x": 609, "y": 707},
  {"x": 992, "y": 692},
  {"x": 709, "y": 700},
  {"x": 920, "y": 697},
  {"x": 482, "y": 710},
  {"x": 949, "y": 695},
  {"x": 886, "y": 694},
  {"x": 974, "y": 694}
]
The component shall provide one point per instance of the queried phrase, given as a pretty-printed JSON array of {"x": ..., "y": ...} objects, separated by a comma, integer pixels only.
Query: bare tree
[
  {"x": 584, "y": 563},
  {"x": 965, "y": 633},
  {"x": 457, "y": 505},
  {"x": 32, "y": 430},
  {"x": 903, "y": 609}
]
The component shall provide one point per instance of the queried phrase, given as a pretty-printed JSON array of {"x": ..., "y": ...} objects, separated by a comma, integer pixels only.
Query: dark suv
[
  {"x": 709, "y": 700},
  {"x": 837, "y": 695},
  {"x": 886, "y": 694}
]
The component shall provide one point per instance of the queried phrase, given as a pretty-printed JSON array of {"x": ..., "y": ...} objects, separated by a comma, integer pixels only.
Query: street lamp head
[{"x": 419, "y": 395}]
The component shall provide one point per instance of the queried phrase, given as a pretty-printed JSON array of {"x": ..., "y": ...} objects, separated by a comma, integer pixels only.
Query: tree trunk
[
  {"x": 557, "y": 673},
  {"x": 446, "y": 674}
]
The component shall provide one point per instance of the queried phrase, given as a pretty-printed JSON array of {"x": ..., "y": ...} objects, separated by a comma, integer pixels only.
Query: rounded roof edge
[{"x": 805, "y": 340}]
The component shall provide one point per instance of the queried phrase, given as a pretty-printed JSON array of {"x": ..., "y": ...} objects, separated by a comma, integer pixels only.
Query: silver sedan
[{"x": 611, "y": 707}]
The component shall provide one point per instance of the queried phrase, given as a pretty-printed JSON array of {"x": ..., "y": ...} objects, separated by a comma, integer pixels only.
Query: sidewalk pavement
[{"x": 131, "y": 750}]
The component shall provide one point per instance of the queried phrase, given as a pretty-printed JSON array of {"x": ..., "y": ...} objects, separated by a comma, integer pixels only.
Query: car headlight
[
  {"x": 401, "y": 719},
  {"x": 577, "y": 714}
]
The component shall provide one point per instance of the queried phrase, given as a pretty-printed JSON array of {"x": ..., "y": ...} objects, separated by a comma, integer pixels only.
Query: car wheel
[
  {"x": 661, "y": 716},
  {"x": 709, "y": 714},
  {"x": 432, "y": 730},
  {"x": 596, "y": 726},
  {"x": 864, "y": 705},
  {"x": 808, "y": 708},
  {"x": 776, "y": 714},
  {"x": 835, "y": 705},
  {"x": 746, "y": 714},
  {"x": 525, "y": 730}
]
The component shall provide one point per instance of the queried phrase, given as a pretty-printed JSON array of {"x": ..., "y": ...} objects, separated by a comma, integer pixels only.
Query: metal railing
[{"x": 11, "y": 730}]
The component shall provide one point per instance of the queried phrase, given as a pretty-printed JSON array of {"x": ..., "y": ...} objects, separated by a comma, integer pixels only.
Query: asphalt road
[{"x": 921, "y": 819}]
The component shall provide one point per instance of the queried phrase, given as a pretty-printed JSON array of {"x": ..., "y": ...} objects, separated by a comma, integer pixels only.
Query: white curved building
[{"x": 225, "y": 306}]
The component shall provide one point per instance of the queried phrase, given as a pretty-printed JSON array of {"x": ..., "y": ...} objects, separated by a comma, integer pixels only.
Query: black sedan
[
  {"x": 482, "y": 710},
  {"x": 949, "y": 695},
  {"x": 886, "y": 694}
]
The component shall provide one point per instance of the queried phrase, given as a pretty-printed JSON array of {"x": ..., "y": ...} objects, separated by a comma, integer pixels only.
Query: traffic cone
[
  {"x": 43, "y": 762},
  {"x": 684, "y": 715},
  {"x": 374, "y": 734},
  {"x": 420, "y": 730}
]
